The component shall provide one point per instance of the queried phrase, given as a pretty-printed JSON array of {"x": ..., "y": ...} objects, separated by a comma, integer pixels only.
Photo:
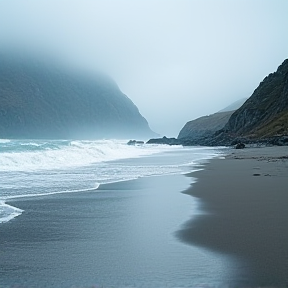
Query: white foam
[
  {"x": 8, "y": 212},
  {"x": 3, "y": 141},
  {"x": 31, "y": 144},
  {"x": 52, "y": 193},
  {"x": 72, "y": 154},
  {"x": 40, "y": 168}
]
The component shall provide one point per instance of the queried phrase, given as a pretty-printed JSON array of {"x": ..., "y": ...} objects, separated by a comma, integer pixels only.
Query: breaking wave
[{"x": 44, "y": 155}]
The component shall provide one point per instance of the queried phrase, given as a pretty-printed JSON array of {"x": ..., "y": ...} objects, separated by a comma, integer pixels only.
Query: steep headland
[
  {"x": 265, "y": 113},
  {"x": 38, "y": 100},
  {"x": 263, "y": 118},
  {"x": 196, "y": 131}
]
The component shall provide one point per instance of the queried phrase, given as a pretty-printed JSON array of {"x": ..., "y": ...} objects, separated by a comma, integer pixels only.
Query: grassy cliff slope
[{"x": 265, "y": 113}]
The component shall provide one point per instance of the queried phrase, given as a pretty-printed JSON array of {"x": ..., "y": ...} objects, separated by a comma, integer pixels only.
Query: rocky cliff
[
  {"x": 38, "y": 100},
  {"x": 265, "y": 113},
  {"x": 262, "y": 119}
]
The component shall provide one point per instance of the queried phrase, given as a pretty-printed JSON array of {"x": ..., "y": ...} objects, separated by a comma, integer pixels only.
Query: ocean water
[
  {"x": 43, "y": 167},
  {"x": 101, "y": 214}
]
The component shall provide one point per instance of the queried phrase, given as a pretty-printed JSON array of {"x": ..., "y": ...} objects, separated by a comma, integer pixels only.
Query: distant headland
[
  {"x": 39, "y": 100},
  {"x": 262, "y": 119}
]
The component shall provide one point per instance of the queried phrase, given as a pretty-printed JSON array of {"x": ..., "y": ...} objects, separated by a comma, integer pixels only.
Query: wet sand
[
  {"x": 245, "y": 212},
  {"x": 120, "y": 235},
  {"x": 123, "y": 234}
]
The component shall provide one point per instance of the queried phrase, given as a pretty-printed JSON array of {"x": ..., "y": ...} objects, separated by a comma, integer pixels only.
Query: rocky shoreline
[{"x": 222, "y": 140}]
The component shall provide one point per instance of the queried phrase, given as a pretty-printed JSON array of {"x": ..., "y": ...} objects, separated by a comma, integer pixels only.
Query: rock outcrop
[
  {"x": 38, "y": 100},
  {"x": 164, "y": 140},
  {"x": 135, "y": 142}
]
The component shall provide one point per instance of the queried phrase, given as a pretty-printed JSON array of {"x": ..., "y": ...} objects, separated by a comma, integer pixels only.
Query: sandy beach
[
  {"x": 244, "y": 203},
  {"x": 138, "y": 234},
  {"x": 120, "y": 235}
]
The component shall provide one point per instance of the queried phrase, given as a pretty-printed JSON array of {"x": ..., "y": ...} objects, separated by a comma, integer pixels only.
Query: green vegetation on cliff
[
  {"x": 263, "y": 118},
  {"x": 265, "y": 113}
]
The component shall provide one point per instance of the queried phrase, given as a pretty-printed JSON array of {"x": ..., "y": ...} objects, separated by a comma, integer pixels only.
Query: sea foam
[
  {"x": 30, "y": 168},
  {"x": 8, "y": 212},
  {"x": 43, "y": 155}
]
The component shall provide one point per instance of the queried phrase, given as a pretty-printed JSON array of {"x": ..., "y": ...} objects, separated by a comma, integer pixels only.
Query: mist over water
[{"x": 160, "y": 53}]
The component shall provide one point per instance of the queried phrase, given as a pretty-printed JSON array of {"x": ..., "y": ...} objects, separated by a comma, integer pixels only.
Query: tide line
[{"x": 17, "y": 211}]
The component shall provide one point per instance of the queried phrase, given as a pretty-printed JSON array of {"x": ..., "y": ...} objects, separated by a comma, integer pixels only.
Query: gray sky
[{"x": 176, "y": 60}]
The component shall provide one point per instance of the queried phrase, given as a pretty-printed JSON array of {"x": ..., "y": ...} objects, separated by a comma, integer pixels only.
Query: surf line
[{"x": 17, "y": 211}]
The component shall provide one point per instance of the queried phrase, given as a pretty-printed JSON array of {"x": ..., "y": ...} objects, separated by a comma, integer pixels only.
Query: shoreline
[
  {"x": 120, "y": 236},
  {"x": 136, "y": 224},
  {"x": 244, "y": 212},
  {"x": 18, "y": 212}
]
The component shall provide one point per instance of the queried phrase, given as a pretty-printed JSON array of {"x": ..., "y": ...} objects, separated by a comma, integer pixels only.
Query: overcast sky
[{"x": 176, "y": 60}]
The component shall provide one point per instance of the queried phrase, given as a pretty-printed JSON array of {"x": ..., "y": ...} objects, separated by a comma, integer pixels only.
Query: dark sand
[
  {"x": 120, "y": 235},
  {"x": 76, "y": 240},
  {"x": 245, "y": 203}
]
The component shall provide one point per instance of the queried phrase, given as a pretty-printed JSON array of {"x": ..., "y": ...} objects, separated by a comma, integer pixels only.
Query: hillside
[
  {"x": 38, "y": 100},
  {"x": 234, "y": 106},
  {"x": 263, "y": 118},
  {"x": 265, "y": 113},
  {"x": 207, "y": 125},
  {"x": 204, "y": 126}
]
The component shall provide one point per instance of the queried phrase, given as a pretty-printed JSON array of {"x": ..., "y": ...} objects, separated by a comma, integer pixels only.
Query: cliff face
[
  {"x": 263, "y": 118},
  {"x": 265, "y": 113},
  {"x": 40, "y": 101}
]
